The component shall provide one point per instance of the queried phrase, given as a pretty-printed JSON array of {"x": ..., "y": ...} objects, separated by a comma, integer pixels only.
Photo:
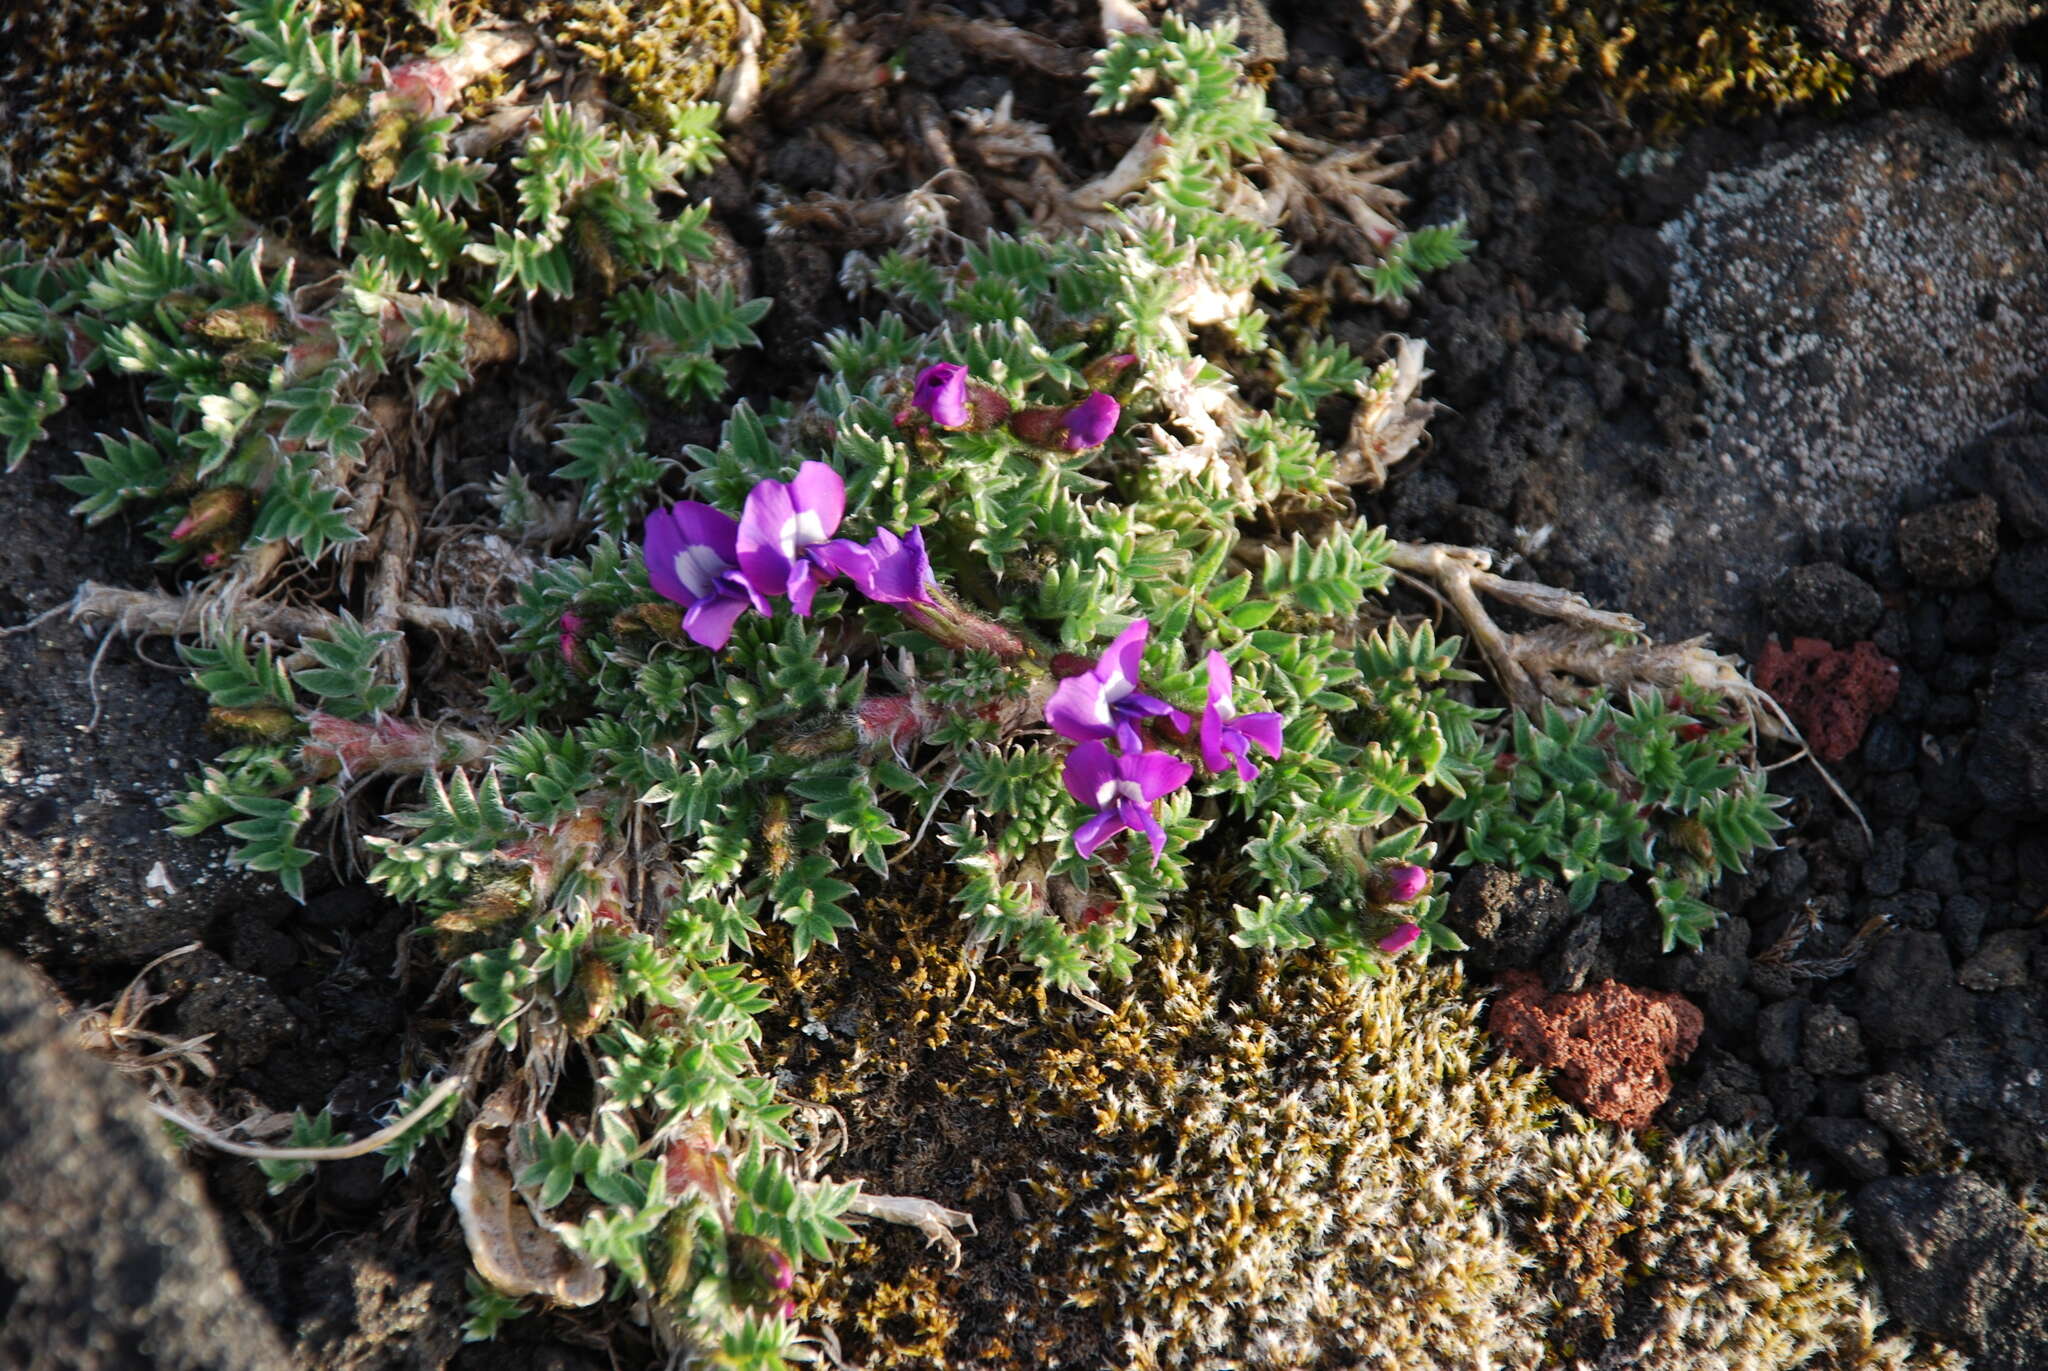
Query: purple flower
[
  {"x": 1403, "y": 884},
  {"x": 942, "y": 394},
  {"x": 1074, "y": 429},
  {"x": 572, "y": 628},
  {"x": 1090, "y": 423},
  {"x": 1122, "y": 791},
  {"x": 1228, "y": 735},
  {"x": 1400, "y": 938},
  {"x": 783, "y": 532},
  {"x": 690, "y": 559},
  {"x": 887, "y": 569},
  {"x": 1105, "y": 701}
]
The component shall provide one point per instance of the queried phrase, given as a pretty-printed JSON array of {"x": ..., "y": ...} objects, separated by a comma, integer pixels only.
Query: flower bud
[
  {"x": 946, "y": 396},
  {"x": 960, "y": 628},
  {"x": 591, "y": 997},
  {"x": 1401, "y": 884},
  {"x": 1400, "y": 938},
  {"x": 571, "y": 635},
  {"x": 1693, "y": 836},
  {"x": 759, "y": 1269},
  {"x": 1113, "y": 373},
  {"x": 213, "y": 515},
  {"x": 892, "y": 721}
]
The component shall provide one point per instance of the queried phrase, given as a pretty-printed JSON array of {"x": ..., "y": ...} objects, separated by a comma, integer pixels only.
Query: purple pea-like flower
[
  {"x": 690, "y": 554},
  {"x": 887, "y": 569},
  {"x": 1090, "y": 423},
  {"x": 1122, "y": 791},
  {"x": 1400, "y": 938},
  {"x": 784, "y": 530},
  {"x": 1228, "y": 736},
  {"x": 1104, "y": 701},
  {"x": 1076, "y": 428},
  {"x": 942, "y": 394}
]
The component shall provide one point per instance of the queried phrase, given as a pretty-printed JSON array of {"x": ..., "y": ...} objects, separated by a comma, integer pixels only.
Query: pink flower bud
[
  {"x": 960, "y": 628},
  {"x": 1400, "y": 938},
  {"x": 1403, "y": 884},
  {"x": 572, "y": 628}
]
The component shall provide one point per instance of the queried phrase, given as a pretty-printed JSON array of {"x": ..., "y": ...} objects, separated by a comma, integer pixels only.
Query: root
[
  {"x": 1583, "y": 647},
  {"x": 361, "y": 1147},
  {"x": 137, "y": 612}
]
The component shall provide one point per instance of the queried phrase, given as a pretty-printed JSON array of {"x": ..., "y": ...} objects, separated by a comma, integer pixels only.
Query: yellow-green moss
[
  {"x": 659, "y": 54},
  {"x": 1661, "y": 64},
  {"x": 79, "y": 80},
  {"x": 1253, "y": 1162}
]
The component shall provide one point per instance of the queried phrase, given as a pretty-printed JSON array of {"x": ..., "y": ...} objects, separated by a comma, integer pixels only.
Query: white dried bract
[{"x": 515, "y": 1247}]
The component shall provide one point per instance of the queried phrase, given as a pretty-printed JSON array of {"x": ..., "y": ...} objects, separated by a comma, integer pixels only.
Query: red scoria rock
[
  {"x": 1611, "y": 1044},
  {"x": 1832, "y": 694}
]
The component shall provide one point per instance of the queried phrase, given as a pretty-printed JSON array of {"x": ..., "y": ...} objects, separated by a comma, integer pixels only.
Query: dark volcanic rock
[
  {"x": 1953, "y": 545},
  {"x": 1910, "y": 998},
  {"x": 109, "y": 1259},
  {"x": 2021, "y": 580},
  {"x": 1824, "y": 601},
  {"x": 1910, "y": 1115},
  {"x": 1857, "y": 1147},
  {"x": 1505, "y": 920},
  {"x": 2015, "y": 470},
  {"x": 1953, "y": 1257},
  {"x": 2008, "y": 765}
]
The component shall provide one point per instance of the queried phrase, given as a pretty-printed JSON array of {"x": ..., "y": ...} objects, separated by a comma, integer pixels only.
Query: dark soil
[{"x": 1878, "y": 1051}]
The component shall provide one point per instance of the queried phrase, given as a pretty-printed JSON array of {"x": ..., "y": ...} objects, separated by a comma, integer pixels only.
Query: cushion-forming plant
[{"x": 1050, "y": 578}]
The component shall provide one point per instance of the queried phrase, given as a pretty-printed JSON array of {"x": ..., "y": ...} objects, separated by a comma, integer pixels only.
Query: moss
[
  {"x": 1661, "y": 64},
  {"x": 79, "y": 80},
  {"x": 660, "y": 54},
  {"x": 1254, "y": 1162}
]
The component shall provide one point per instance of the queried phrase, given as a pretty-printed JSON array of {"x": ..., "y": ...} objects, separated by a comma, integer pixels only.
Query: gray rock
[
  {"x": 243, "y": 1013},
  {"x": 1910, "y": 1116},
  {"x": 1886, "y": 36},
  {"x": 1833, "y": 252},
  {"x": 1953, "y": 1258},
  {"x": 1951, "y": 546},
  {"x": 109, "y": 1257},
  {"x": 1832, "y": 1044}
]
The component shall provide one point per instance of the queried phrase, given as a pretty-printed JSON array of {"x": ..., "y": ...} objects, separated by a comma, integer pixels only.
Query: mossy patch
[
  {"x": 1252, "y": 1160},
  {"x": 1659, "y": 64}
]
